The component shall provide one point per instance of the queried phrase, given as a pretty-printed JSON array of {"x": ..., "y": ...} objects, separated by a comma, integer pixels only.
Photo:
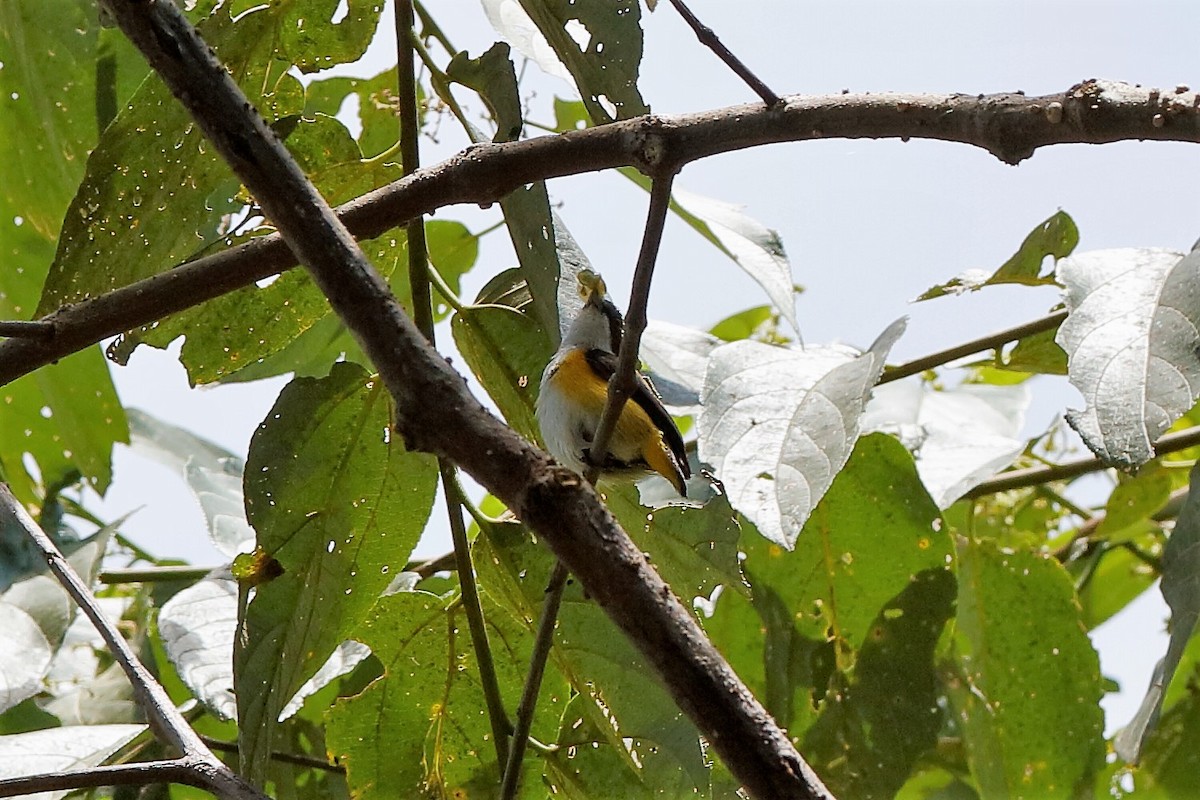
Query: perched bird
[{"x": 575, "y": 390}]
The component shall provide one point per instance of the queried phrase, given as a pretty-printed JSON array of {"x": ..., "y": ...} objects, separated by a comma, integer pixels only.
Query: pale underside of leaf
[
  {"x": 778, "y": 424},
  {"x": 958, "y": 437},
  {"x": 61, "y": 749},
  {"x": 198, "y": 626},
  {"x": 1131, "y": 338}
]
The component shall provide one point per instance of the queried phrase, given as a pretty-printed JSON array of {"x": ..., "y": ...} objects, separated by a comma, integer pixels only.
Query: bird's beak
[{"x": 592, "y": 288}]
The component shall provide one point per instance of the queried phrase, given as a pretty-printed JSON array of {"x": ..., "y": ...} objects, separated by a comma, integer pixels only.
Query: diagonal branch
[
  {"x": 205, "y": 769},
  {"x": 709, "y": 39},
  {"x": 557, "y": 504},
  {"x": 1010, "y": 126}
]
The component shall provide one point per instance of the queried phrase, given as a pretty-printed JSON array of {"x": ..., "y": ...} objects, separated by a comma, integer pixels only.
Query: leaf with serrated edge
[
  {"x": 1181, "y": 589},
  {"x": 958, "y": 437},
  {"x": 1131, "y": 337},
  {"x": 778, "y": 423}
]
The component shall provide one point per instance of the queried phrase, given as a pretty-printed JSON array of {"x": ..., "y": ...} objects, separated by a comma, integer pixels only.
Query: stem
[
  {"x": 988, "y": 342},
  {"x": 620, "y": 387},
  {"x": 444, "y": 289},
  {"x": 178, "y": 770},
  {"x": 1024, "y": 478},
  {"x": 709, "y": 39},
  {"x": 164, "y": 718},
  {"x": 181, "y": 572},
  {"x": 429, "y": 24},
  {"x": 533, "y": 682},
  {"x": 285, "y": 758},
  {"x": 497, "y": 716}
]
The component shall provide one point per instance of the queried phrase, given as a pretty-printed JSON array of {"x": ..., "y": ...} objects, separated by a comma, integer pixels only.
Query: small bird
[{"x": 575, "y": 390}]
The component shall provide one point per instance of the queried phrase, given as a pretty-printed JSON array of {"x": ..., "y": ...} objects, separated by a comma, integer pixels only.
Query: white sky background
[{"x": 868, "y": 225}]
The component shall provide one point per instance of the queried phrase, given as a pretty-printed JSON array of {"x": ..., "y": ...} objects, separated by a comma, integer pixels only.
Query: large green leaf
[
  {"x": 872, "y": 730},
  {"x": 632, "y": 716},
  {"x": 1025, "y": 682},
  {"x": 507, "y": 351},
  {"x": 422, "y": 727},
  {"x": 337, "y": 501}
]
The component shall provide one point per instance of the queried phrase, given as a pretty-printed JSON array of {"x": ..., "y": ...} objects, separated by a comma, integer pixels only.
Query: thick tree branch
[
  {"x": 178, "y": 770},
  {"x": 1010, "y": 126},
  {"x": 203, "y": 768},
  {"x": 553, "y": 501}
]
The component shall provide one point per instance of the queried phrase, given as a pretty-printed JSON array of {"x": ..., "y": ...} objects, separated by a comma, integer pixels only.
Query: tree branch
[
  {"x": 989, "y": 342},
  {"x": 709, "y": 39},
  {"x": 555, "y": 502},
  {"x": 1024, "y": 478},
  {"x": 1010, "y": 126},
  {"x": 180, "y": 770},
  {"x": 205, "y": 770}
]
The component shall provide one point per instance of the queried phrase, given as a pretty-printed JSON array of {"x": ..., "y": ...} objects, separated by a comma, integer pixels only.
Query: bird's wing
[{"x": 604, "y": 364}]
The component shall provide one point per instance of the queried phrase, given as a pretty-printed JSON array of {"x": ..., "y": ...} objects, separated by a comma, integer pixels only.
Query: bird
[{"x": 574, "y": 392}]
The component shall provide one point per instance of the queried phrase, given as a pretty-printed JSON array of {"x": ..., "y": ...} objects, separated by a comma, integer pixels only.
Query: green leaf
[
  {"x": 1172, "y": 762},
  {"x": 631, "y": 714},
  {"x": 507, "y": 351},
  {"x": 1025, "y": 683},
  {"x": 493, "y": 77},
  {"x": 1135, "y": 499},
  {"x": 694, "y": 549},
  {"x": 872, "y": 731},
  {"x": 743, "y": 325},
  {"x": 422, "y": 727},
  {"x": 598, "y": 41},
  {"x": 1038, "y": 353},
  {"x": 1181, "y": 589},
  {"x": 67, "y": 416},
  {"x": 378, "y": 107},
  {"x": 814, "y": 608},
  {"x": 1055, "y": 237},
  {"x": 340, "y": 504},
  {"x": 155, "y": 191}
]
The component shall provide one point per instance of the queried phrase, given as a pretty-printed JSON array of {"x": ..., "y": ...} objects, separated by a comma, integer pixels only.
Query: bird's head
[{"x": 599, "y": 324}]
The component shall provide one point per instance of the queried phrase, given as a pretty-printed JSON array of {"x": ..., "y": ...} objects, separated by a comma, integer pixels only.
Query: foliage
[{"x": 916, "y": 634}]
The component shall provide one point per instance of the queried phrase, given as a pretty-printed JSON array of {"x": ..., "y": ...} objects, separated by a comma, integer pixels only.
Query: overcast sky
[{"x": 867, "y": 225}]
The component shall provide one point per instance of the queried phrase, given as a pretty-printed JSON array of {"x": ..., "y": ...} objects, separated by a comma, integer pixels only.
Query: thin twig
[
  {"x": 27, "y": 329},
  {"x": 989, "y": 342},
  {"x": 167, "y": 722},
  {"x": 222, "y": 746},
  {"x": 623, "y": 382},
  {"x": 422, "y": 303},
  {"x": 154, "y": 574},
  {"x": 709, "y": 39},
  {"x": 1011, "y": 126},
  {"x": 497, "y": 716},
  {"x": 533, "y": 680},
  {"x": 1024, "y": 478}
]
